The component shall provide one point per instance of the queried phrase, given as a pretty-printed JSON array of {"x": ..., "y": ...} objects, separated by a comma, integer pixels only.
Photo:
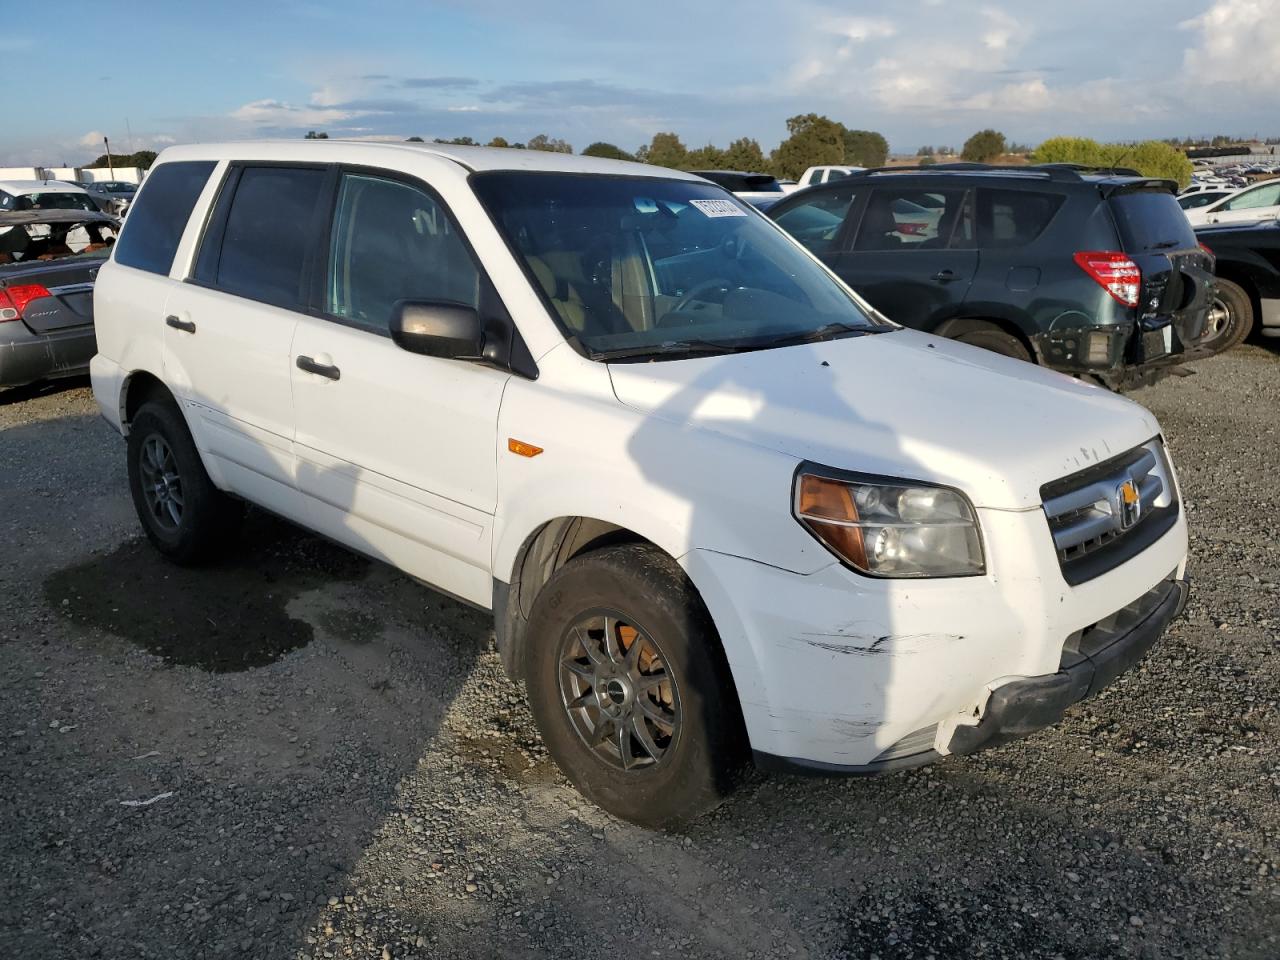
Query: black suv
[
  {"x": 1090, "y": 272},
  {"x": 1248, "y": 295}
]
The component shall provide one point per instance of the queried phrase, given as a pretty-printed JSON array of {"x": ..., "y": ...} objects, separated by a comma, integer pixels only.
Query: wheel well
[
  {"x": 544, "y": 552},
  {"x": 138, "y": 389},
  {"x": 1244, "y": 281},
  {"x": 957, "y": 325}
]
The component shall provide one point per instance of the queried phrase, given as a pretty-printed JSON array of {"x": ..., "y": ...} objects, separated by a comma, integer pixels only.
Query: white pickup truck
[{"x": 718, "y": 506}]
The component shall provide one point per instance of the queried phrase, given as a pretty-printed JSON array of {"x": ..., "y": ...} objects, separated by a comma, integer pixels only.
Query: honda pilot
[{"x": 719, "y": 508}]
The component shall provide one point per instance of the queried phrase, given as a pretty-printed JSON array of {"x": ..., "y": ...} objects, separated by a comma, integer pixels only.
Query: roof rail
[{"x": 1064, "y": 172}]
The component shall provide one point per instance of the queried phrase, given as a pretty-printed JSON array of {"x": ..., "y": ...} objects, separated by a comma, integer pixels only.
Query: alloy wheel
[
  {"x": 618, "y": 691},
  {"x": 161, "y": 483}
]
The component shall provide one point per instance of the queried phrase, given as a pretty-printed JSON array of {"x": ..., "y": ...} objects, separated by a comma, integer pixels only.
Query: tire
[
  {"x": 657, "y": 616},
  {"x": 980, "y": 333},
  {"x": 1232, "y": 314},
  {"x": 184, "y": 515}
]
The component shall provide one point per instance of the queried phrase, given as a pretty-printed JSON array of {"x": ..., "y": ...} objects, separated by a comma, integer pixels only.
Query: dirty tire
[
  {"x": 704, "y": 760},
  {"x": 209, "y": 518},
  {"x": 1233, "y": 309},
  {"x": 980, "y": 333}
]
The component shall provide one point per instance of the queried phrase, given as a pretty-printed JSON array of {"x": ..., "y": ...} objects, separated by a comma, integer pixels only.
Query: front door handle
[
  {"x": 946, "y": 276},
  {"x": 184, "y": 325},
  {"x": 320, "y": 369}
]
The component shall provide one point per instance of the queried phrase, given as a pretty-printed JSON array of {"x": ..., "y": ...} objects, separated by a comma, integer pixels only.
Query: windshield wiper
[
  {"x": 669, "y": 348},
  {"x": 826, "y": 332}
]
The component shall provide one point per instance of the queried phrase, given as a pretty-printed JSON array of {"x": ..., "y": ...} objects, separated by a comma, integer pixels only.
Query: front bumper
[
  {"x": 839, "y": 673},
  {"x": 1021, "y": 707}
]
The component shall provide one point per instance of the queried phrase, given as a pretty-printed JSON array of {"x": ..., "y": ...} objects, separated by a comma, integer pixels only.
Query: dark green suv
[{"x": 1088, "y": 272}]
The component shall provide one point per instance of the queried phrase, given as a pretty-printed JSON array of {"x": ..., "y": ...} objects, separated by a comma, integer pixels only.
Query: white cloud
[
  {"x": 278, "y": 113},
  {"x": 92, "y": 139},
  {"x": 469, "y": 108},
  {"x": 1238, "y": 43}
]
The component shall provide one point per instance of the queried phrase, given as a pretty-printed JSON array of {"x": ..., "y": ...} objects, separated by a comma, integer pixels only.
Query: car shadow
[{"x": 41, "y": 388}]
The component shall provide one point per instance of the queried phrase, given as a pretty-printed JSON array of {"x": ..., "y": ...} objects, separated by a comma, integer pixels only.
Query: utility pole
[{"x": 110, "y": 169}]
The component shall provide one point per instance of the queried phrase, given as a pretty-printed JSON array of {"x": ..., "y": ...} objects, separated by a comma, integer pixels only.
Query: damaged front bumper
[{"x": 1090, "y": 661}]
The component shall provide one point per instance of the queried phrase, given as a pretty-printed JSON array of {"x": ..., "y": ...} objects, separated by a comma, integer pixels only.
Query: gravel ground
[{"x": 322, "y": 759}]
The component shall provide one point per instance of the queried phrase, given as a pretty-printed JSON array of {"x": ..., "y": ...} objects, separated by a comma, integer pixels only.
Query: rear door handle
[
  {"x": 946, "y": 276},
  {"x": 319, "y": 369},
  {"x": 185, "y": 325}
]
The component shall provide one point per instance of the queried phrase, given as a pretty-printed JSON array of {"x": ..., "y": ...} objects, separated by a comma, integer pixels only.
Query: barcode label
[{"x": 719, "y": 208}]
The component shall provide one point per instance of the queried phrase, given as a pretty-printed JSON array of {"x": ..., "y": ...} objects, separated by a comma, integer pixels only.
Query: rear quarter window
[
  {"x": 1151, "y": 220},
  {"x": 1014, "y": 218},
  {"x": 160, "y": 214}
]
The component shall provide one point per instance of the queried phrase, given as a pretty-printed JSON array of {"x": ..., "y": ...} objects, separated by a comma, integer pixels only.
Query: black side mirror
[{"x": 435, "y": 328}]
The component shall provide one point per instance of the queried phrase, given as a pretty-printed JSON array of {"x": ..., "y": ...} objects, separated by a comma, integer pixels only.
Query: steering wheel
[{"x": 696, "y": 291}]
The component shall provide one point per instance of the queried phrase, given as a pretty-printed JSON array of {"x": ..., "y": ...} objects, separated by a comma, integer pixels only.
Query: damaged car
[
  {"x": 49, "y": 260},
  {"x": 1093, "y": 273}
]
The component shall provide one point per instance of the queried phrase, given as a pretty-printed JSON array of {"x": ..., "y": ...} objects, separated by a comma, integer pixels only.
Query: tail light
[
  {"x": 1115, "y": 272},
  {"x": 14, "y": 299}
]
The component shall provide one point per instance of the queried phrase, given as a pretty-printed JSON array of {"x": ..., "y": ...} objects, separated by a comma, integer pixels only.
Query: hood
[{"x": 899, "y": 404}]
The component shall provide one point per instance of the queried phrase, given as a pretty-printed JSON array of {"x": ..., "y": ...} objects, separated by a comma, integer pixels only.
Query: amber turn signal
[
  {"x": 522, "y": 449},
  {"x": 826, "y": 507}
]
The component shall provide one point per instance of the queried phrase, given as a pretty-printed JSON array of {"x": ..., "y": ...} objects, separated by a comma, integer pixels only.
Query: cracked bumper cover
[{"x": 1021, "y": 707}]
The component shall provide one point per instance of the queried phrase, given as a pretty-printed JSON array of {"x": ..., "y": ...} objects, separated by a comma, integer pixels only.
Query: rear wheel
[
  {"x": 1230, "y": 317},
  {"x": 630, "y": 689},
  {"x": 184, "y": 515},
  {"x": 988, "y": 336}
]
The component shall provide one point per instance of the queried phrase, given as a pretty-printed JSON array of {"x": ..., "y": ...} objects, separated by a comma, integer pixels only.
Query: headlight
[{"x": 888, "y": 528}]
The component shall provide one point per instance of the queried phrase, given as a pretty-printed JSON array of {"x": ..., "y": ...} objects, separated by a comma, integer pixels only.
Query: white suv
[{"x": 717, "y": 505}]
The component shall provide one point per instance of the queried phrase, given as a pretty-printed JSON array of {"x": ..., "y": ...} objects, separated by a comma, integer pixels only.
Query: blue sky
[{"x": 925, "y": 71}]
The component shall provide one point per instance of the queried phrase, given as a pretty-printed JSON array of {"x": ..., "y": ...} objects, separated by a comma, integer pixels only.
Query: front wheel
[
  {"x": 630, "y": 688},
  {"x": 185, "y": 516}
]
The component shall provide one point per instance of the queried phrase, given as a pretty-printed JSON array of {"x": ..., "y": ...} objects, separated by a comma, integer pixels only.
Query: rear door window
[
  {"x": 1151, "y": 220},
  {"x": 1267, "y": 195},
  {"x": 1013, "y": 218},
  {"x": 903, "y": 218},
  {"x": 160, "y": 213},
  {"x": 268, "y": 234},
  {"x": 817, "y": 221},
  {"x": 392, "y": 241}
]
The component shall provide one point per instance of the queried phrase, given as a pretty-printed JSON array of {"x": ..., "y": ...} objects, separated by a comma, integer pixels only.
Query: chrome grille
[{"x": 1095, "y": 526}]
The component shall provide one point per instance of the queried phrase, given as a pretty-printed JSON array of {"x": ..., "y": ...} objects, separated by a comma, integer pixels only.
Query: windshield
[{"x": 632, "y": 264}]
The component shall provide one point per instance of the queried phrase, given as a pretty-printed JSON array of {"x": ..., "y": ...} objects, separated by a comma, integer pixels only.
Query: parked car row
[{"x": 719, "y": 506}]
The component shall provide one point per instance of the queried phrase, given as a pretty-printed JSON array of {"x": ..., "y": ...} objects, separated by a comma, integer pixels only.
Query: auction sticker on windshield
[{"x": 719, "y": 208}]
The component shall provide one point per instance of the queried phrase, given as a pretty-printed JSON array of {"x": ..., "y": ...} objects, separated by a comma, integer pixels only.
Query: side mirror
[{"x": 438, "y": 329}]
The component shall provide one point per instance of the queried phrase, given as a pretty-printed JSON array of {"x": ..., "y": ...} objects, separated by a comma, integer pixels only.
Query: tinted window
[
  {"x": 1012, "y": 218},
  {"x": 269, "y": 227},
  {"x": 55, "y": 201},
  {"x": 393, "y": 242},
  {"x": 1151, "y": 220},
  {"x": 1199, "y": 200},
  {"x": 911, "y": 219},
  {"x": 816, "y": 222},
  {"x": 1264, "y": 196},
  {"x": 160, "y": 214}
]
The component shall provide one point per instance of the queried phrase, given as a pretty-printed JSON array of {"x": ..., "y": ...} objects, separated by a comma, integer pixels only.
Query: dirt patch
[
  {"x": 352, "y": 626},
  {"x": 223, "y": 617}
]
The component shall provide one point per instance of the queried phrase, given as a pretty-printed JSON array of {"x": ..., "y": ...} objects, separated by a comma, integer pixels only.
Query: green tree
[
  {"x": 549, "y": 144},
  {"x": 142, "y": 159},
  {"x": 1151, "y": 158},
  {"x": 312, "y": 135},
  {"x": 865, "y": 148},
  {"x": 744, "y": 154},
  {"x": 983, "y": 147},
  {"x": 925, "y": 152},
  {"x": 928, "y": 161},
  {"x": 705, "y": 158},
  {"x": 415, "y": 140},
  {"x": 813, "y": 141},
  {"x": 458, "y": 141},
  {"x": 606, "y": 150},
  {"x": 664, "y": 150}
]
